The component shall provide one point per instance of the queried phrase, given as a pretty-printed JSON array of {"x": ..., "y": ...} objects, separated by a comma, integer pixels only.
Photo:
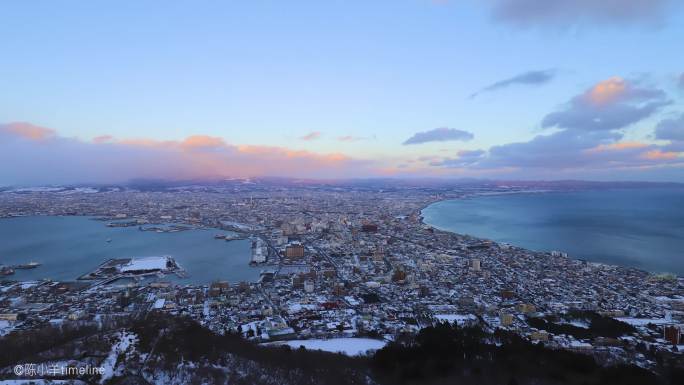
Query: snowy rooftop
[{"x": 147, "y": 263}]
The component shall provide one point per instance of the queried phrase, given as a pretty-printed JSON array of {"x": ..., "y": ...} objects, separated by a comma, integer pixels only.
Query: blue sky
[{"x": 269, "y": 73}]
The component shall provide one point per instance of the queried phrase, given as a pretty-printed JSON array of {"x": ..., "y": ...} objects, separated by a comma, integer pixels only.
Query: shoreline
[{"x": 473, "y": 196}]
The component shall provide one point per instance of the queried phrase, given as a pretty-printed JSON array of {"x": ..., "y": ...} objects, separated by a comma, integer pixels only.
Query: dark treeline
[
  {"x": 442, "y": 354},
  {"x": 446, "y": 354},
  {"x": 24, "y": 346},
  {"x": 599, "y": 326}
]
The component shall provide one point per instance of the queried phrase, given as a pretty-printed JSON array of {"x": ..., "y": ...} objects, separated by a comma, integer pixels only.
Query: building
[
  {"x": 369, "y": 227},
  {"x": 297, "y": 281},
  {"x": 308, "y": 286},
  {"x": 9, "y": 316},
  {"x": 525, "y": 308},
  {"x": 295, "y": 250},
  {"x": 540, "y": 335},
  {"x": 259, "y": 251},
  {"x": 218, "y": 287},
  {"x": 672, "y": 334},
  {"x": 506, "y": 318}
]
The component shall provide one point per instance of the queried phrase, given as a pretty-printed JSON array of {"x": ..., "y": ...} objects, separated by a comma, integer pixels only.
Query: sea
[
  {"x": 637, "y": 227},
  {"x": 67, "y": 247}
]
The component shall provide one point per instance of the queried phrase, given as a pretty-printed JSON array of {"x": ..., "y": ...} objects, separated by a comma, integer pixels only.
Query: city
[{"x": 344, "y": 262}]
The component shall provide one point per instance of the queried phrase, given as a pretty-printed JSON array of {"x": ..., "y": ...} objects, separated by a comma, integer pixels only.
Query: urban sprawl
[{"x": 342, "y": 262}]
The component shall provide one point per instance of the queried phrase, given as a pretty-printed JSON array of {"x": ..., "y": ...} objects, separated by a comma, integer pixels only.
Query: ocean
[
  {"x": 642, "y": 228},
  {"x": 68, "y": 247}
]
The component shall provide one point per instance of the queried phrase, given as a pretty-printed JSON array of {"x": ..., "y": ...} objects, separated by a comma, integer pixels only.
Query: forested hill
[{"x": 167, "y": 350}]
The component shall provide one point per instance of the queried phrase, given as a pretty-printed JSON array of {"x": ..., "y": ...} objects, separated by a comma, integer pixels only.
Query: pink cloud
[
  {"x": 103, "y": 139},
  {"x": 28, "y": 131},
  {"x": 203, "y": 141},
  {"x": 55, "y": 159},
  {"x": 617, "y": 147},
  {"x": 311, "y": 136},
  {"x": 349, "y": 138},
  {"x": 660, "y": 155},
  {"x": 607, "y": 91}
]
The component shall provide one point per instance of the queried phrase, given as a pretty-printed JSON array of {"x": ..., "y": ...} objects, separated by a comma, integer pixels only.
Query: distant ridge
[{"x": 375, "y": 183}]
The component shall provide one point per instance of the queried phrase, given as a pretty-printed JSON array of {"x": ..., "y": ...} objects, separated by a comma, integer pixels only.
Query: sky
[{"x": 105, "y": 92}]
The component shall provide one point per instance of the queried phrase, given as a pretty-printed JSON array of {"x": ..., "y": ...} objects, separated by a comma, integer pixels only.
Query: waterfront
[
  {"x": 641, "y": 228},
  {"x": 68, "y": 247}
]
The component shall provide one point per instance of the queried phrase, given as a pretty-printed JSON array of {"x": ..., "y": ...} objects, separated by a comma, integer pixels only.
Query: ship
[{"x": 30, "y": 265}]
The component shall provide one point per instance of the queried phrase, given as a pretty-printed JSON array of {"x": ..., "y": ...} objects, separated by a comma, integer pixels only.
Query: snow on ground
[
  {"x": 109, "y": 364},
  {"x": 348, "y": 346},
  {"x": 6, "y": 288},
  {"x": 86, "y": 190},
  {"x": 205, "y": 309},
  {"x": 644, "y": 321},
  {"x": 250, "y": 326},
  {"x": 159, "y": 303},
  {"x": 297, "y": 307},
  {"x": 28, "y": 284},
  {"x": 147, "y": 263},
  {"x": 580, "y": 345},
  {"x": 39, "y": 381},
  {"x": 5, "y": 327},
  {"x": 576, "y": 323},
  {"x": 38, "y": 189},
  {"x": 459, "y": 319}
]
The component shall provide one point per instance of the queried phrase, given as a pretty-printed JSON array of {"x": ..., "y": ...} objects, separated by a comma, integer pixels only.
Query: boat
[
  {"x": 30, "y": 265},
  {"x": 108, "y": 240},
  {"x": 5, "y": 270}
]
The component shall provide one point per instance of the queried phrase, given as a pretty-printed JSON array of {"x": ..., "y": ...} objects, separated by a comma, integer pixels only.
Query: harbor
[{"x": 69, "y": 247}]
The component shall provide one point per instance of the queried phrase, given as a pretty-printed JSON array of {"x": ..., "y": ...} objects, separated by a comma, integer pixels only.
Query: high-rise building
[{"x": 295, "y": 250}]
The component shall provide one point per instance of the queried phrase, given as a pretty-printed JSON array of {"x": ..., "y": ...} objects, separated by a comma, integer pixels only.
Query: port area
[
  {"x": 134, "y": 268},
  {"x": 157, "y": 228},
  {"x": 9, "y": 270},
  {"x": 231, "y": 237}
]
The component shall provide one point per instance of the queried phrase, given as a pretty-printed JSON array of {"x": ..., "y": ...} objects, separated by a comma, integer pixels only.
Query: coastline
[{"x": 423, "y": 222}]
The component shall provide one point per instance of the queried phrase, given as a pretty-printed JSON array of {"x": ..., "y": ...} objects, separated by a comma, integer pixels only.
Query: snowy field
[
  {"x": 644, "y": 321},
  {"x": 348, "y": 346}
]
